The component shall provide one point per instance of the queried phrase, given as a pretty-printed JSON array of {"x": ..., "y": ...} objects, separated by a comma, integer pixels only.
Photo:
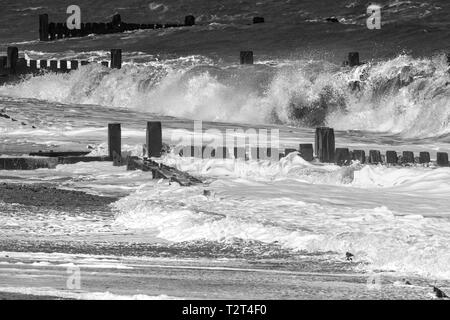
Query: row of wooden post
[
  {"x": 52, "y": 31},
  {"x": 246, "y": 57},
  {"x": 12, "y": 64},
  {"x": 327, "y": 152},
  {"x": 353, "y": 59},
  {"x": 154, "y": 146},
  {"x": 153, "y": 141}
]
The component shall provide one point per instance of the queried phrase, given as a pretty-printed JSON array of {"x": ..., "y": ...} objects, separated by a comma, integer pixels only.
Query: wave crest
[{"x": 403, "y": 95}]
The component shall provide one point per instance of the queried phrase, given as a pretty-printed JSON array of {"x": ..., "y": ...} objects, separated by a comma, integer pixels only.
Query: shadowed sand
[{"x": 50, "y": 197}]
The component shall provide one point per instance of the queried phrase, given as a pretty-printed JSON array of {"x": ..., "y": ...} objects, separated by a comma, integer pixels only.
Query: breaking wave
[{"x": 404, "y": 95}]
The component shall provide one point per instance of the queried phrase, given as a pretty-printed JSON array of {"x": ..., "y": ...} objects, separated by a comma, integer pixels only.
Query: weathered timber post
[
  {"x": 52, "y": 30},
  {"x": 375, "y": 157},
  {"x": 359, "y": 155},
  {"x": 3, "y": 62},
  {"x": 246, "y": 57},
  {"x": 116, "y": 58},
  {"x": 63, "y": 65},
  {"x": 95, "y": 27},
  {"x": 342, "y": 156},
  {"x": 33, "y": 65},
  {"x": 59, "y": 30},
  {"x": 391, "y": 157},
  {"x": 408, "y": 157},
  {"x": 88, "y": 28},
  {"x": 42, "y": 64},
  {"x": 116, "y": 20},
  {"x": 307, "y": 151},
  {"x": 424, "y": 157},
  {"x": 189, "y": 21},
  {"x": 154, "y": 139},
  {"x": 115, "y": 143},
  {"x": 43, "y": 27},
  {"x": 353, "y": 59},
  {"x": 442, "y": 159},
  {"x": 13, "y": 57},
  {"x": 54, "y": 65},
  {"x": 102, "y": 28},
  {"x": 325, "y": 145}
]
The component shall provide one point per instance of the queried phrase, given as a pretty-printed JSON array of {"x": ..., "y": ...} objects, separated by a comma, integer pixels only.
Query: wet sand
[
  {"x": 19, "y": 296},
  {"x": 48, "y": 196},
  {"x": 128, "y": 277}
]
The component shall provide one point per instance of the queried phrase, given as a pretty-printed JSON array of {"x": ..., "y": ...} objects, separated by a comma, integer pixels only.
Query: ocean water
[{"x": 305, "y": 216}]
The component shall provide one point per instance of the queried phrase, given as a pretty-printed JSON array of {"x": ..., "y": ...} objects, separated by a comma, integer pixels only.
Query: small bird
[
  {"x": 439, "y": 293},
  {"x": 349, "y": 256}
]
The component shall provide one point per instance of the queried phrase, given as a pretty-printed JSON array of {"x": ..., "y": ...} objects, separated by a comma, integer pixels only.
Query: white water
[
  {"x": 375, "y": 212},
  {"x": 403, "y": 95},
  {"x": 382, "y": 215},
  {"x": 390, "y": 218}
]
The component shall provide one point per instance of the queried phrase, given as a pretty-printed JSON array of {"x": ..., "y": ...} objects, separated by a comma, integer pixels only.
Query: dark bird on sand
[{"x": 349, "y": 256}]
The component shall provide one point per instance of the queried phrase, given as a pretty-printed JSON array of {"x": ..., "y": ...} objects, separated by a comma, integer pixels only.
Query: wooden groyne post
[
  {"x": 115, "y": 143},
  {"x": 13, "y": 57},
  {"x": 359, "y": 155},
  {"x": 408, "y": 157},
  {"x": 343, "y": 156},
  {"x": 116, "y": 58},
  {"x": 51, "y": 30},
  {"x": 43, "y": 27},
  {"x": 189, "y": 21},
  {"x": 246, "y": 57},
  {"x": 11, "y": 66},
  {"x": 375, "y": 157},
  {"x": 325, "y": 144},
  {"x": 442, "y": 159},
  {"x": 154, "y": 139},
  {"x": 424, "y": 157},
  {"x": 391, "y": 157},
  {"x": 353, "y": 59},
  {"x": 307, "y": 151}
]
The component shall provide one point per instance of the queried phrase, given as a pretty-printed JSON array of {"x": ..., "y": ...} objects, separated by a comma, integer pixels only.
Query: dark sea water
[{"x": 292, "y": 28}]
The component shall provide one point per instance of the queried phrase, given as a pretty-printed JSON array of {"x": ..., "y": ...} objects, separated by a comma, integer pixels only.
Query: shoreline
[
  {"x": 23, "y": 296},
  {"x": 51, "y": 197}
]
